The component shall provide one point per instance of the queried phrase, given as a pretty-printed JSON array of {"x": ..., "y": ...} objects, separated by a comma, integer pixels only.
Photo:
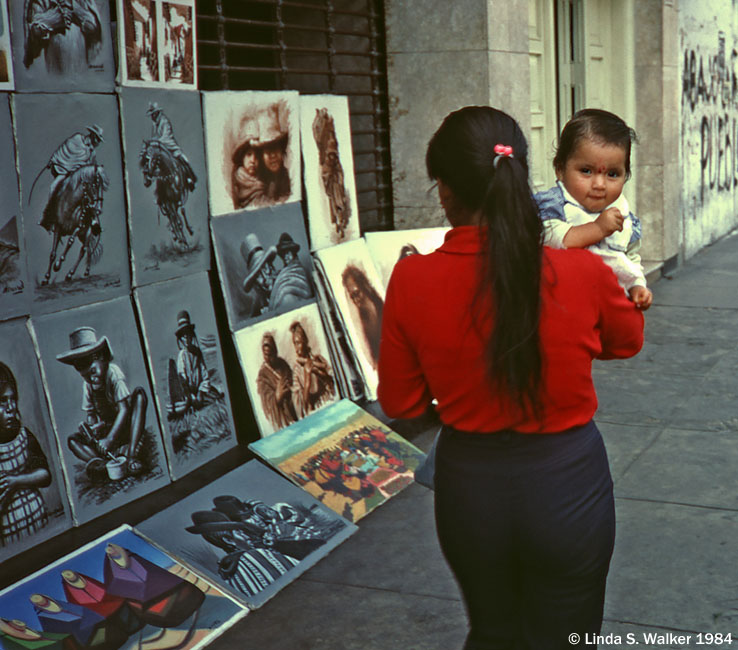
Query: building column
[{"x": 442, "y": 56}]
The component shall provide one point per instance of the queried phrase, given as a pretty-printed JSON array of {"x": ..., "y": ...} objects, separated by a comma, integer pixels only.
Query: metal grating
[{"x": 318, "y": 46}]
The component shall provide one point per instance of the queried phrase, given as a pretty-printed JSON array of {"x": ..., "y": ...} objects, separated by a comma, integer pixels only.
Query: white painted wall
[{"x": 708, "y": 33}]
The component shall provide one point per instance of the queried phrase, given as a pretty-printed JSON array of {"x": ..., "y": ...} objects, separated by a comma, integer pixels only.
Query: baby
[{"x": 586, "y": 208}]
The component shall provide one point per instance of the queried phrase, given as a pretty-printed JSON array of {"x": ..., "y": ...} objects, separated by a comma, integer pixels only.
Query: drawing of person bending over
[
  {"x": 23, "y": 469},
  {"x": 115, "y": 416}
]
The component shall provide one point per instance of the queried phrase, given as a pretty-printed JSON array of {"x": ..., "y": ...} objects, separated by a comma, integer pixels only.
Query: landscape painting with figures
[{"x": 344, "y": 457}]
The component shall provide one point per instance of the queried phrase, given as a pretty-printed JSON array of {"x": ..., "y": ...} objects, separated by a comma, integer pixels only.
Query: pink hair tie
[{"x": 502, "y": 150}]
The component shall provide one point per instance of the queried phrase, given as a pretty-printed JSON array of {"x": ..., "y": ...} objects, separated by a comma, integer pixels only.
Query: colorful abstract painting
[{"x": 119, "y": 591}]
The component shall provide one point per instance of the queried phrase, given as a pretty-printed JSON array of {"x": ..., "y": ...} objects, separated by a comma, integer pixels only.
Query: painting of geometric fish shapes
[
  {"x": 190, "y": 391},
  {"x": 62, "y": 46},
  {"x": 33, "y": 496},
  {"x": 72, "y": 197},
  {"x": 252, "y": 140},
  {"x": 14, "y": 294},
  {"x": 251, "y": 532},
  {"x": 344, "y": 457},
  {"x": 287, "y": 366},
  {"x": 101, "y": 404},
  {"x": 166, "y": 183},
  {"x": 358, "y": 293},
  {"x": 264, "y": 262},
  {"x": 119, "y": 591},
  {"x": 6, "y": 57},
  {"x": 156, "y": 43},
  {"x": 389, "y": 247},
  {"x": 330, "y": 188}
]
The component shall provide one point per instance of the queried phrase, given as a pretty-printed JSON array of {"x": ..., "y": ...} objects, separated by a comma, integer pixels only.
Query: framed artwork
[
  {"x": 166, "y": 183},
  {"x": 72, "y": 198},
  {"x": 33, "y": 496},
  {"x": 330, "y": 187},
  {"x": 101, "y": 405},
  {"x": 190, "y": 390},
  {"x": 7, "y": 81},
  {"x": 250, "y": 532},
  {"x": 344, "y": 457},
  {"x": 389, "y": 247},
  {"x": 358, "y": 295},
  {"x": 119, "y": 591},
  {"x": 14, "y": 293},
  {"x": 62, "y": 46},
  {"x": 252, "y": 140},
  {"x": 287, "y": 366},
  {"x": 157, "y": 43},
  {"x": 264, "y": 263}
]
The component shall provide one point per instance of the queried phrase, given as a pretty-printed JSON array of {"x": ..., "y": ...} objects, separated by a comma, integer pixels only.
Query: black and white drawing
[
  {"x": 101, "y": 402},
  {"x": 72, "y": 197},
  {"x": 166, "y": 183},
  {"x": 330, "y": 187},
  {"x": 14, "y": 294},
  {"x": 287, "y": 367},
  {"x": 33, "y": 497},
  {"x": 252, "y": 140},
  {"x": 186, "y": 364},
  {"x": 62, "y": 45},
  {"x": 263, "y": 262},
  {"x": 252, "y": 532}
]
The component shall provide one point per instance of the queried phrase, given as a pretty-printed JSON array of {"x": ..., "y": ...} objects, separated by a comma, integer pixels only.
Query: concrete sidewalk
[{"x": 670, "y": 422}]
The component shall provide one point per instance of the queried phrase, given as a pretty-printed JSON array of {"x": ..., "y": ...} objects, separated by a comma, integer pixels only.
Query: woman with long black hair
[{"x": 501, "y": 332}]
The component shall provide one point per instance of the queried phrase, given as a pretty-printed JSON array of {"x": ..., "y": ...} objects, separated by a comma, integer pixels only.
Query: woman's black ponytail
[{"x": 462, "y": 155}]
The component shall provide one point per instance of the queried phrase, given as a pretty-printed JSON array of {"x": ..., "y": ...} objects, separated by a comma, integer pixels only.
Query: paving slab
[
  {"x": 625, "y": 443},
  {"x": 313, "y": 616},
  {"x": 711, "y": 404},
  {"x": 628, "y": 396},
  {"x": 674, "y": 323},
  {"x": 685, "y": 466},
  {"x": 674, "y": 567}
]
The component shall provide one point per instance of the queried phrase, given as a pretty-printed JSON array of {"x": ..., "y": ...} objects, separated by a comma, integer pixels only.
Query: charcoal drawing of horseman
[
  {"x": 75, "y": 201},
  {"x": 164, "y": 164}
]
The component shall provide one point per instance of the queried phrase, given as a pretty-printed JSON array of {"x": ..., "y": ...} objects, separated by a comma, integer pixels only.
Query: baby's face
[{"x": 594, "y": 174}]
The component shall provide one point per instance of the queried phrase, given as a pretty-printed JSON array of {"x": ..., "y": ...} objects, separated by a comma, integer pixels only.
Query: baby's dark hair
[{"x": 599, "y": 126}]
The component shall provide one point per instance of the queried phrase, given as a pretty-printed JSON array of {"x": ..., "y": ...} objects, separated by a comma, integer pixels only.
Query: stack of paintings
[
  {"x": 250, "y": 532},
  {"x": 186, "y": 365},
  {"x": 119, "y": 591},
  {"x": 98, "y": 388},
  {"x": 354, "y": 298},
  {"x": 344, "y": 457},
  {"x": 33, "y": 496}
]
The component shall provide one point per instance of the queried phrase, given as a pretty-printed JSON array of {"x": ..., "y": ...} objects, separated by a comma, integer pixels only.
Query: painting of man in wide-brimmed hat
[
  {"x": 260, "y": 273},
  {"x": 115, "y": 416}
]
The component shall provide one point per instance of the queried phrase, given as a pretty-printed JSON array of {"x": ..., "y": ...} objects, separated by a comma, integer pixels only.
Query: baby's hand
[
  {"x": 609, "y": 221},
  {"x": 641, "y": 297}
]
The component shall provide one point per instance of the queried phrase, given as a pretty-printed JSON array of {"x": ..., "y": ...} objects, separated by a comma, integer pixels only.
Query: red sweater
[{"x": 432, "y": 348}]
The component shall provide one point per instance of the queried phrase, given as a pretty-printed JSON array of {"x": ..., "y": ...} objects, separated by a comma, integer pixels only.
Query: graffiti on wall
[{"x": 710, "y": 110}]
